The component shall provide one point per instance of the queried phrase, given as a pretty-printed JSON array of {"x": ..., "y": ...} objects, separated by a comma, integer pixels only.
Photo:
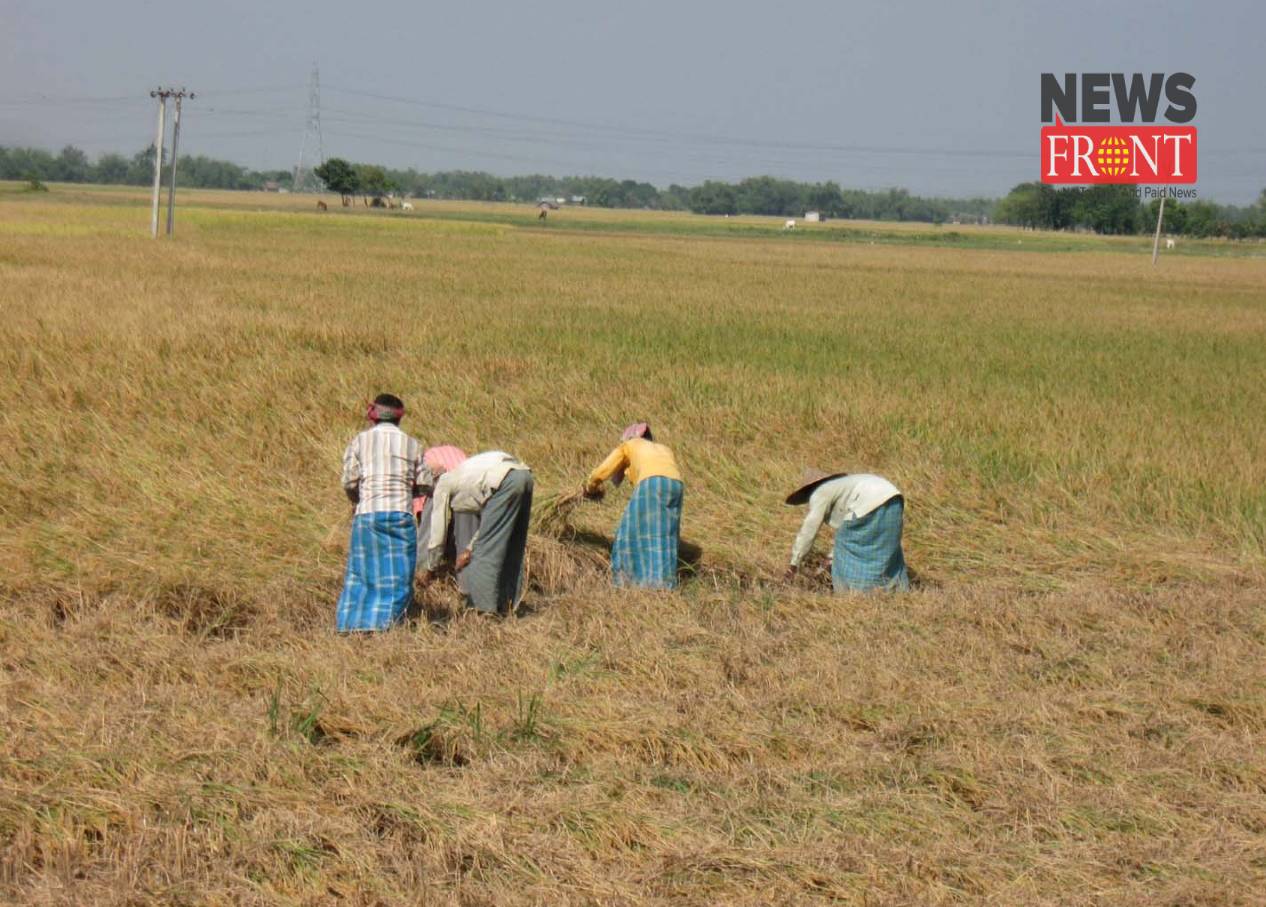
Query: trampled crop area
[{"x": 1068, "y": 708}]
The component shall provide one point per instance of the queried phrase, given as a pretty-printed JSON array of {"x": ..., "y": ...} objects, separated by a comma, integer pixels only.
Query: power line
[{"x": 688, "y": 136}]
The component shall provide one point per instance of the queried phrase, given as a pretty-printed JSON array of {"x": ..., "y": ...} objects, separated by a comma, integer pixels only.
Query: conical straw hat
[{"x": 811, "y": 479}]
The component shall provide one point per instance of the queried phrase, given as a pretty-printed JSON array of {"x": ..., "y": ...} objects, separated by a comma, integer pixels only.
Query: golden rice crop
[{"x": 1067, "y": 709}]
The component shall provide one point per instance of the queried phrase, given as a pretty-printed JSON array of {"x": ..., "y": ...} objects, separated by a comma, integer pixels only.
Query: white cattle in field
[
  {"x": 1169, "y": 243},
  {"x": 406, "y": 206},
  {"x": 789, "y": 225}
]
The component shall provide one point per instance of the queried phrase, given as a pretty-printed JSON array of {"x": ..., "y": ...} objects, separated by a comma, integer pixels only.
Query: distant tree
[
  {"x": 34, "y": 184},
  {"x": 770, "y": 196},
  {"x": 824, "y": 197},
  {"x": 1022, "y": 206},
  {"x": 72, "y": 166},
  {"x": 140, "y": 169},
  {"x": 675, "y": 198},
  {"x": 373, "y": 180},
  {"x": 1175, "y": 216},
  {"x": 339, "y": 176},
  {"x": 1109, "y": 209},
  {"x": 1201, "y": 218},
  {"x": 713, "y": 198},
  {"x": 22, "y": 162},
  {"x": 111, "y": 169}
]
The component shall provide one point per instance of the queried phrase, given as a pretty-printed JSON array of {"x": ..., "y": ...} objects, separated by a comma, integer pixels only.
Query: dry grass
[{"x": 1068, "y": 710}]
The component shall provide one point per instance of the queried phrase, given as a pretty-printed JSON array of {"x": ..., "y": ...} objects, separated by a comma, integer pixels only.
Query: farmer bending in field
[
  {"x": 866, "y": 513},
  {"x": 645, "y": 549},
  {"x": 383, "y": 470},
  {"x": 461, "y": 528},
  {"x": 497, "y": 487}
]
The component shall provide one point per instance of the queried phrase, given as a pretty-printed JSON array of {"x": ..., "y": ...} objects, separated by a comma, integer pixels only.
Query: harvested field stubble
[{"x": 1069, "y": 709}]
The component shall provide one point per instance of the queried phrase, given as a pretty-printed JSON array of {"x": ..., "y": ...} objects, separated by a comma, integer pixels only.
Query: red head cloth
[
  {"x": 376, "y": 412},
  {"x": 440, "y": 460}
]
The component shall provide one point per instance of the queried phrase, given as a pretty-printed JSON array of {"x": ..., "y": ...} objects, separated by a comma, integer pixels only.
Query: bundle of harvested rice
[{"x": 552, "y": 516}]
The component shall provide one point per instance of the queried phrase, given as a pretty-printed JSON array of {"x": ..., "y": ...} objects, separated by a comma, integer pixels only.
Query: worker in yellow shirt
[{"x": 645, "y": 549}]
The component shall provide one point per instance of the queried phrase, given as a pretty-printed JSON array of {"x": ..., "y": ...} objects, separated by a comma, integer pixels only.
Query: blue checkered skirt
[
  {"x": 868, "y": 551},
  {"x": 378, "y": 587},
  {"x": 645, "y": 549}
]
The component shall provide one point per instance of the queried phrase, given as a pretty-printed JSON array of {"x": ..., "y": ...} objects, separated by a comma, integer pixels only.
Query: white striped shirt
[{"x": 383, "y": 468}]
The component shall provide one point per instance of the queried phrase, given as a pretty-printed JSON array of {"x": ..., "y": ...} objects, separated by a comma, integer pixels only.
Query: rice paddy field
[{"x": 1068, "y": 708}]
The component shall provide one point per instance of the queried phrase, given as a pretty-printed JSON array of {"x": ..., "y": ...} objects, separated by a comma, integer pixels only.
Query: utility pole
[
  {"x": 1160, "y": 216},
  {"x": 175, "y": 143},
  {"x": 158, "y": 158}
]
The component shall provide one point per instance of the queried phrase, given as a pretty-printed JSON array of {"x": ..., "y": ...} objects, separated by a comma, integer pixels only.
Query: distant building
[
  {"x": 577, "y": 200},
  {"x": 812, "y": 217},
  {"x": 272, "y": 186}
]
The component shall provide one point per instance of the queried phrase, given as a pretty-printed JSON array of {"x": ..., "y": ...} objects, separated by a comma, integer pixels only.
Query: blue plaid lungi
[
  {"x": 378, "y": 587},
  {"x": 645, "y": 549},
  {"x": 868, "y": 551}
]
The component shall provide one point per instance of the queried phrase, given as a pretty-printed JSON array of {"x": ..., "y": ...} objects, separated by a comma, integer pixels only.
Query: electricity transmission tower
[{"x": 304, "y": 179}]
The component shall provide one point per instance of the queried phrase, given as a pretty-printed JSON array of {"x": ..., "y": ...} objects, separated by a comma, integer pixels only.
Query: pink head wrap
[
  {"x": 443, "y": 458},
  {"x": 440, "y": 460},
  {"x": 636, "y": 430}
]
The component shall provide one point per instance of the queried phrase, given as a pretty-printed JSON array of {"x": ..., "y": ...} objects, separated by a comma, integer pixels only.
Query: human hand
[
  {"x": 790, "y": 575},
  {"x": 463, "y": 559},
  {"x": 594, "y": 492}
]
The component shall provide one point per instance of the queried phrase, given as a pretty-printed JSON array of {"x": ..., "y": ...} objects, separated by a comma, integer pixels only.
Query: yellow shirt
[{"x": 640, "y": 459}]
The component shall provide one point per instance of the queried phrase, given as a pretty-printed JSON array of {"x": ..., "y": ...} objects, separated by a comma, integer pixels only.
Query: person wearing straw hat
[
  {"x": 866, "y": 511},
  {"x": 383, "y": 471},
  {"x": 462, "y": 527},
  {"x": 497, "y": 488},
  {"x": 645, "y": 549}
]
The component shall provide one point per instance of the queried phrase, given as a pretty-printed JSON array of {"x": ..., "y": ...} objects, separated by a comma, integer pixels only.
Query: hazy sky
[{"x": 939, "y": 97}]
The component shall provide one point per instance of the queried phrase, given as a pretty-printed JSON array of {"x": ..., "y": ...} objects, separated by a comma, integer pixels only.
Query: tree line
[
  {"x": 1119, "y": 210},
  {"x": 72, "y": 165},
  {"x": 765, "y": 195},
  {"x": 1103, "y": 209},
  {"x": 757, "y": 195}
]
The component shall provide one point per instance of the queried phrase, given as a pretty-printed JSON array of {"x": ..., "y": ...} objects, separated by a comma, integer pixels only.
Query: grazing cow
[
  {"x": 406, "y": 206},
  {"x": 1169, "y": 243},
  {"x": 322, "y": 206},
  {"x": 789, "y": 225}
]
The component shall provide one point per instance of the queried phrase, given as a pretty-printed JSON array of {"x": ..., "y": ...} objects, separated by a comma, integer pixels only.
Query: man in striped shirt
[{"x": 383, "y": 470}]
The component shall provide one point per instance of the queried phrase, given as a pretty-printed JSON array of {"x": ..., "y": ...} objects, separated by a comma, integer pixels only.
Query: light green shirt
[{"x": 465, "y": 489}]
